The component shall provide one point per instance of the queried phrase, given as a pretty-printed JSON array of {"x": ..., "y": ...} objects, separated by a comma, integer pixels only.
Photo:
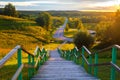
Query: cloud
[
  {"x": 60, "y": 4},
  {"x": 27, "y": 3}
]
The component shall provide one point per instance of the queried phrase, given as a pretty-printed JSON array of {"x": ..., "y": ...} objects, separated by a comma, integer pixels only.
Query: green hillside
[{"x": 14, "y": 31}]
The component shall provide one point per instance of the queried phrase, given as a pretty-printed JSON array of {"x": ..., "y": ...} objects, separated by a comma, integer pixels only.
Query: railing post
[
  {"x": 38, "y": 54},
  {"x": 90, "y": 61},
  {"x": 19, "y": 55},
  {"x": 29, "y": 62},
  {"x": 68, "y": 54},
  {"x": 96, "y": 68},
  {"x": 82, "y": 58},
  {"x": 114, "y": 54},
  {"x": 33, "y": 62}
]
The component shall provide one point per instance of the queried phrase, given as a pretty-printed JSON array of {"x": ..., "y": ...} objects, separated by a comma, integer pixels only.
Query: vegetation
[
  {"x": 22, "y": 32},
  {"x": 115, "y": 33},
  {"x": 75, "y": 23},
  {"x": 44, "y": 20},
  {"x": 67, "y": 27},
  {"x": 26, "y": 32},
  {"x": 57, "y": 22},
  {"x": 108, "y": 32},
  {"x": 70, "y": 33},
  {"x": 10, "y": 10},
  {"x": 83, "y": 38}
]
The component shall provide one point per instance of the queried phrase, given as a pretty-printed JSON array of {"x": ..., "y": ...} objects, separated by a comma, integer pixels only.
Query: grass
[
  {"x": 17, "y": 31},
  {"x": 10, "y": 68},
  {"x": 53, "y": 46},
  {"x": 70, "y": 33},
  {"x": 12, "y": 23}
]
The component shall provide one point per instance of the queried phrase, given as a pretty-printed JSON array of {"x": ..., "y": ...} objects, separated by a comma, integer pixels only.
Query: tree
[
  {"x": 1, "y": 10},
  {"x": 75, "y": 23},
  {"x": 10, "y": 10},
  {"x": 116, "y": 29},
  {"x": 83, "y": 38},
  {"x": 44, "y": 20}
]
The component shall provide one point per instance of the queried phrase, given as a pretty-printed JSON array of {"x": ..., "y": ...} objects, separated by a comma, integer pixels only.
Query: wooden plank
[
  {"x": 8, "y": 56},
  {"x": 115, "y": 66},
  {"x": 35, "y": 52},
  {"x": 39, "y": 58},
  {"x": 27, "y": 52},
  {"x": 87, "y": 50},
  {"x": 85, "y": 59},
  {"x": 117, "y": 46},
  {"x": 15, "y": 76}
]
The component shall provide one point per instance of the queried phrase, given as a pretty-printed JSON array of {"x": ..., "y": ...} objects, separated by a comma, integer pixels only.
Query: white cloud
[
  {"x": 27, "y": 3},
  {"x": 60, "y": 4}
]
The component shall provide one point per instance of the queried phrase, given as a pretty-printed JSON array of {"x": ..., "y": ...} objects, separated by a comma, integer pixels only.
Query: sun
[{"x": 117, "y": 3}]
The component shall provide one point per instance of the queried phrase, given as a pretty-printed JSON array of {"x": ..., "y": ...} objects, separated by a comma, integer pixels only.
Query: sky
[{"x": 80, "y": 5}]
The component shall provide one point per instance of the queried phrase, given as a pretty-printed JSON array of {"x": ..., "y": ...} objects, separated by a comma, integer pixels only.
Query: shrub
[{"x": 83, "y": 38}]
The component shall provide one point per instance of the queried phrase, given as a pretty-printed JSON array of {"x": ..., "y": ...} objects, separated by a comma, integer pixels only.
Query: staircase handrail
[
  {"x": 96, "y": 64},
  {"x": 40, "y": 58}
]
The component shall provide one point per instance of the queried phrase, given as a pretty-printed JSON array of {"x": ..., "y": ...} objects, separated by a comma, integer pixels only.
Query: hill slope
[{"x": 14, "y": 31}]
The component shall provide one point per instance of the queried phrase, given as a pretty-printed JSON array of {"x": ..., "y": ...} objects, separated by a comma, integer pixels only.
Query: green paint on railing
[
  {"x": 114, "y": 54},
  {"x": 19, "y": 55},
  {"x": 82, "y": 58},
  {"x": 90, "y": 62},
  {"x": 33, "y": 62},
  {"x": 76, "y": 54},
  {"x": 29, "y": 62},
  {"x": 96, "y": 68}
]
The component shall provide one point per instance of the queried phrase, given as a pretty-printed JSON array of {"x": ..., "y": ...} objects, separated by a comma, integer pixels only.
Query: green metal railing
[
  {"x": 75, "y": 55},
  {"x": 34, "y": 61}
]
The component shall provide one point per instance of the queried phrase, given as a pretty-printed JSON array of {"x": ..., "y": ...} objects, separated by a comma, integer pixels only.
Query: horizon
[{"x": 66, "y": 5}]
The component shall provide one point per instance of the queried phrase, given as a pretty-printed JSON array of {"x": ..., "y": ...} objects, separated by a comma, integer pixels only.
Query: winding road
[{"x": 59, "y": 34}]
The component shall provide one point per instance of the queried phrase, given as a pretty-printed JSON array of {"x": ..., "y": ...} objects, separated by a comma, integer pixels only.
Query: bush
[{"x": 83, "y": 38}]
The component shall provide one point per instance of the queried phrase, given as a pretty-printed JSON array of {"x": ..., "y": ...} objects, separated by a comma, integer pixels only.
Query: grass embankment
[{"x": 16, "y": 31}]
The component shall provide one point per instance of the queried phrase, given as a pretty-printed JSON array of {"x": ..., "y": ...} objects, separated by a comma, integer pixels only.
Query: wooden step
[
  {"x": 57, "y": 68},
  {"x": 67, "y": 78}
]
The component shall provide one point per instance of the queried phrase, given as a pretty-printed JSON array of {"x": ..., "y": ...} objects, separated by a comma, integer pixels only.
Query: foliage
[
  {"x": 44, "y": 20},
  {"x": 108, "y": 32},
  {"x": 10, "y": 10},
  {"x": 57, "y": 21},
  {"x": 83, "y": 38},
  {"x": 67, "y": 27},
  {"x": 102, "y": 30},
  {"x": 75, "y": 23},
  {"x": 115, "y": 29}
]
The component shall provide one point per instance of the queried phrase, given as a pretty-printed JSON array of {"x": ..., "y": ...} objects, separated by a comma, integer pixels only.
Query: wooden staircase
[{"x": 57, "y": 68}]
